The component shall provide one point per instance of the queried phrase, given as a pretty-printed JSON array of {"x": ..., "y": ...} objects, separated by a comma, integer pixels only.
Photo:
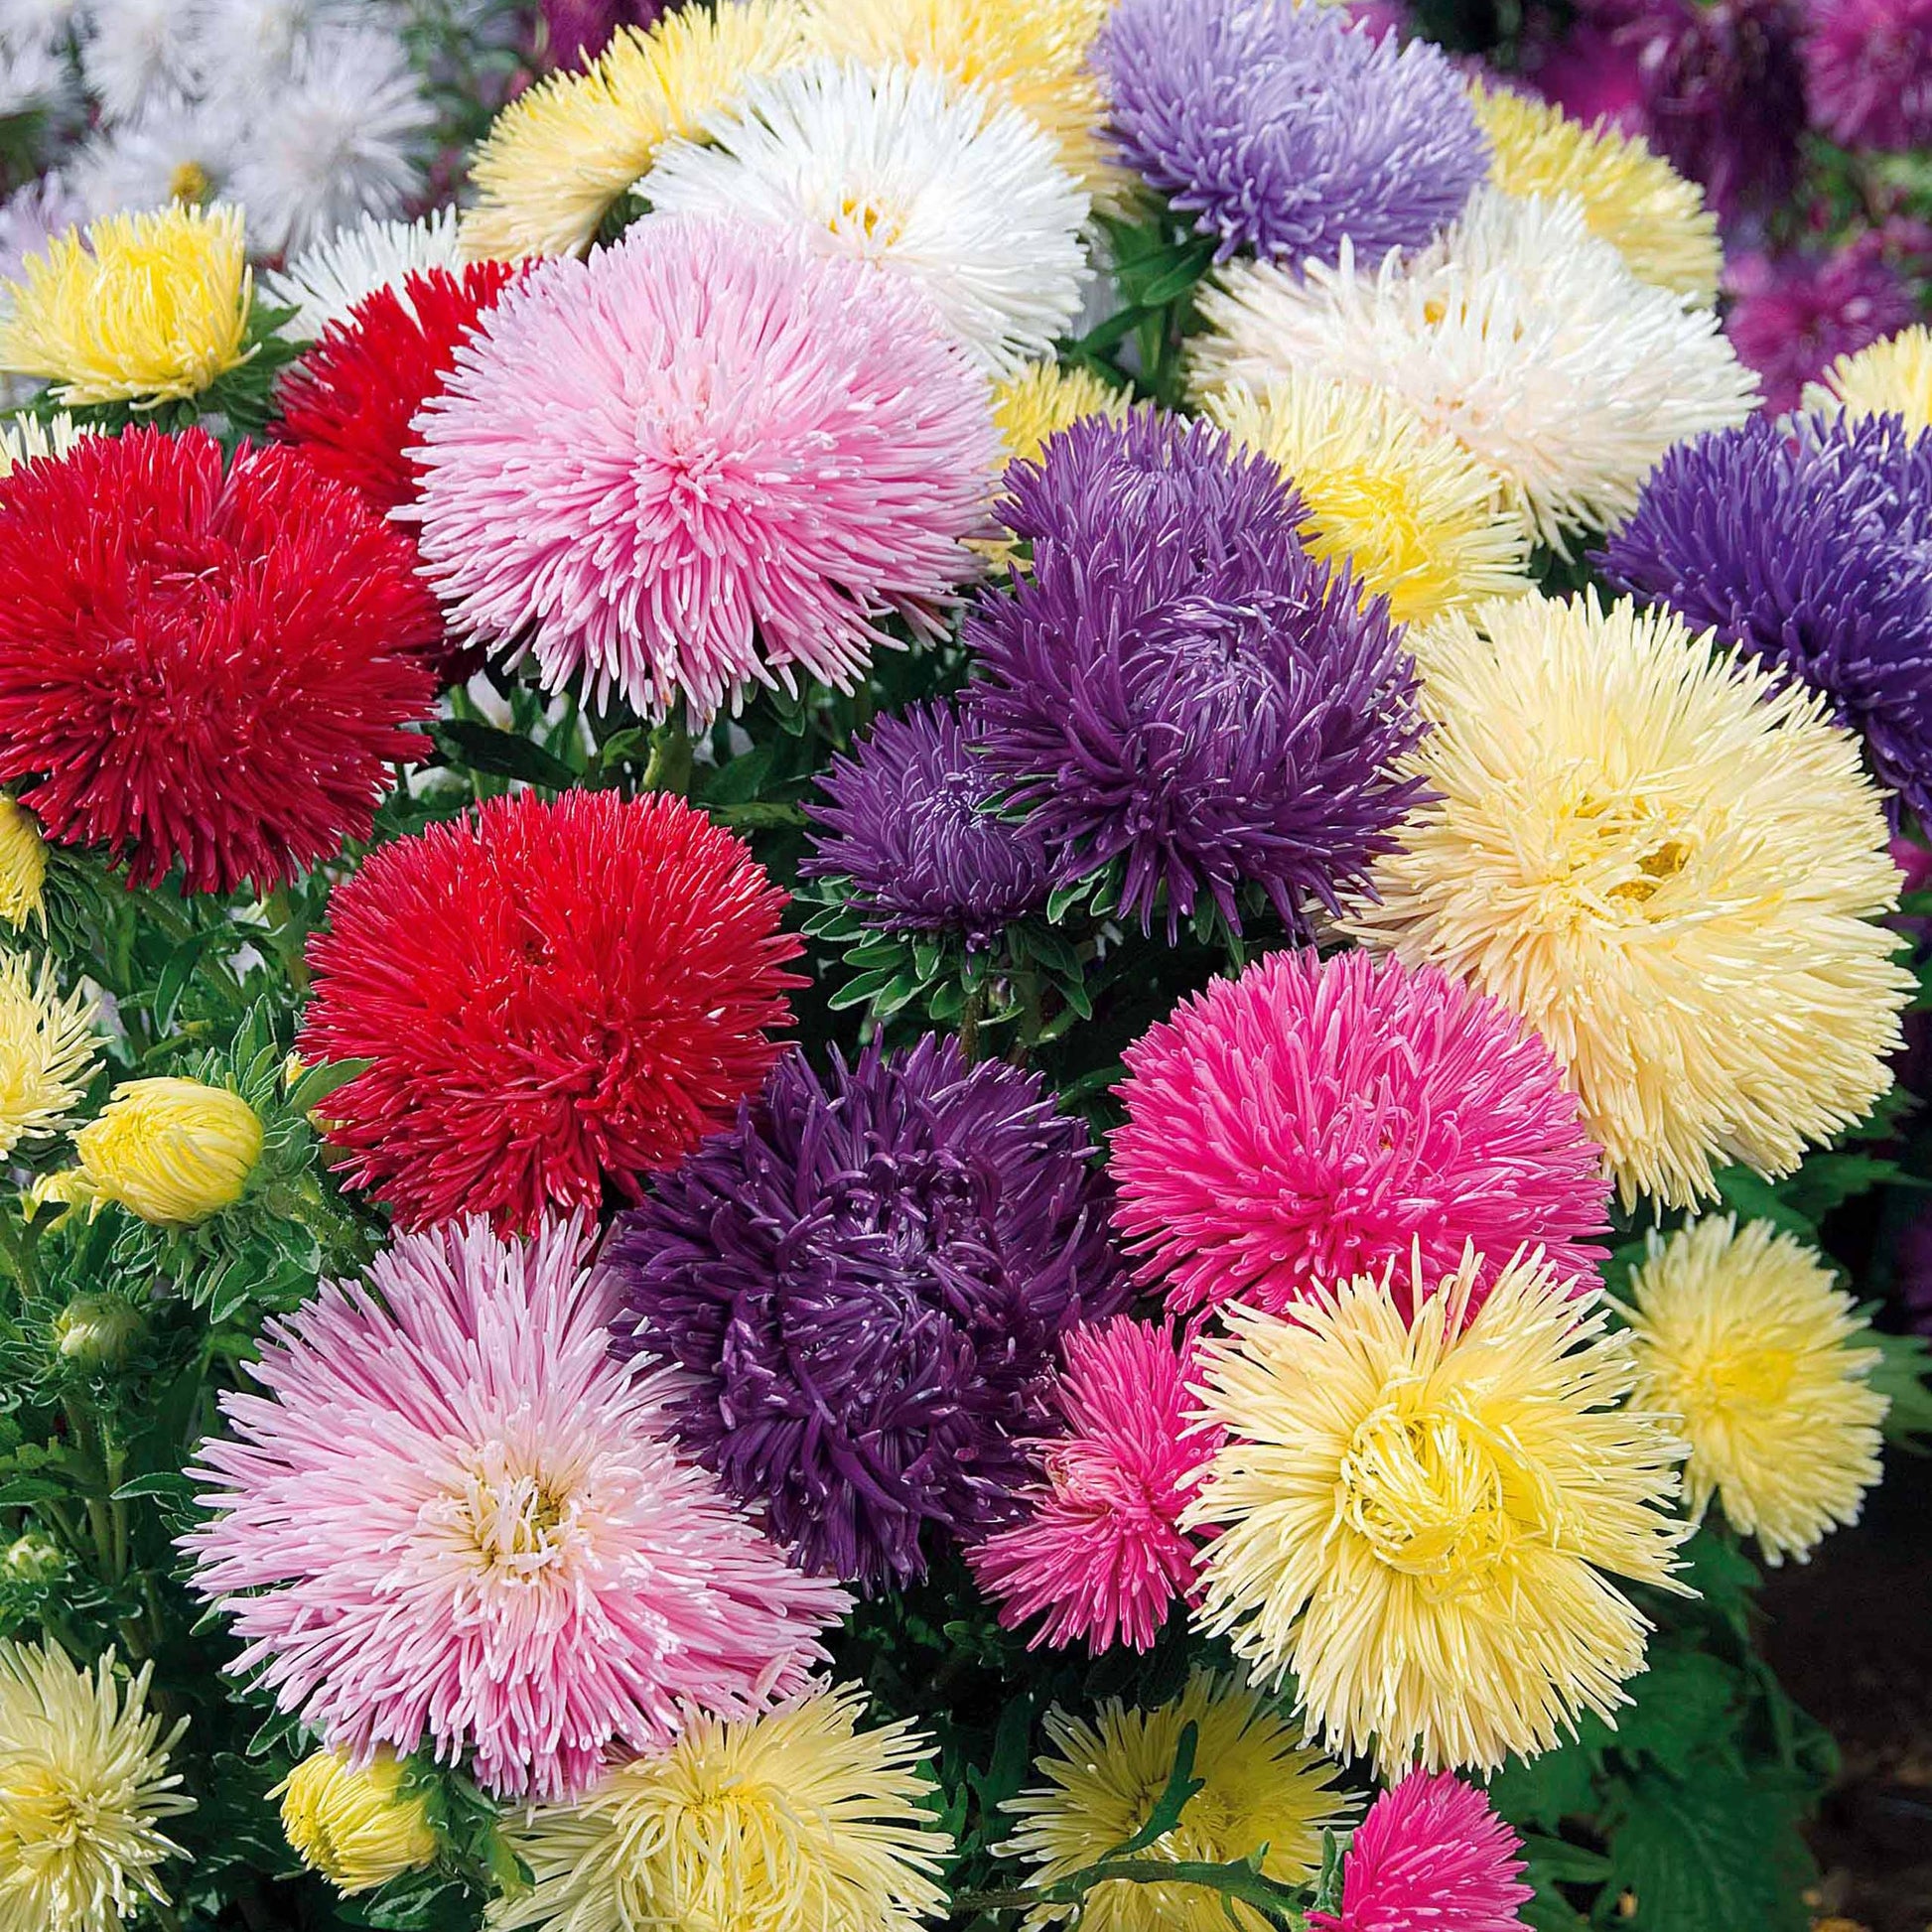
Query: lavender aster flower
[
  {"x": 1870, "y": 65},
  {"x": 1179, "y": 685},
  {"x": 1810, "y": 548},
  {"x": 1283, "y": 128},
  {"x": 866, "y": 1282},
  {"x": 907, "y": 820}
]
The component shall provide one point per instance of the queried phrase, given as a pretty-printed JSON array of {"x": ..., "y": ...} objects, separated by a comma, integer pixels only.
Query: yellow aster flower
[
  {"x": 1261, "y": 1788},
  {"x": 141, "y": 308},
  {"x": 1893, "y": 377},
  {"x": 27, "y": 437},
  {"x": 1420, "y": 1521},
  {"x": 1046, "y": 398},
  {"x": 23, "y": 863},
  {"x": 1669, "y": 863},
  {"x": 357, "y": 1827},
  {"x": 1418, "y": 517},
  {"x": 557, "y": 159},
  {"x": 1633, "y": 198},
  {"x": 1745, "y": 1338},
  {"x": 83, "y": 1786},
  {"x": 1033, "y": 53},
  {"x": 48, "y": 1050},
  {"x": 172, "y": 1152},
  {"x": 795, "y": 1822}
]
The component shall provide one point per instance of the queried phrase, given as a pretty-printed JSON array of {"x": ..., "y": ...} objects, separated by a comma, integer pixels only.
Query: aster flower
[
  {"x": 963, "y": 197},
  {"x": 1264, "y": 1793},
  {"x": 172, "y": 1152},
  {"x": 1868, "y": 70},
  {"x": 451, "y": 1517},
  {"x": 1430, "y": 1853},
  {"x": 49, "y": 1049},
  {"x": 1891, "y": 378},
  {"x": 176, "y": 151},
  {"x": 1420, "y": 1519},
  {"x": 28, "y": 437},
  {"x": 797, "y": 1819},
  {"x": 908, "y": 820},
  {"x": 1281, "y": 128},
  {"x": 1791, "y": 318},
  {"x": 1312, "y": 1121},
  {"x": 85, "y": 1788},
  {"x": 845, "y": 447},
  {"x": 135, "y": 308},
  {"x": 1671, "y": 865},
  {"x": 348, "y": 403},
  {"x": 1100, "y": 1551},
  {"x": 1519, "y": 333},
  {"x": 1044, "y": 398},
  {"x": 355, "y": 1825},
  {"x": 552, "y": 998},
  {"x": 1415, "y": 515},
  {"x": 271, "y": 622},
  {"x": 1745, "y": 1338},
  {"x": 1588, "y": 74},
  {"x": 915, "y": 1234},
  {"x": 29, "y": 219},
  {"x": 23, "y": 863},
  {"x": 136, "y": 49},
  {"x": 1179, "y": 686},
  {"x": 561, "y": 155},
  {"x": 327, "y": 282},
  {"x": 1632, "y": 199},
  {"x": 1801, "y": 543}
]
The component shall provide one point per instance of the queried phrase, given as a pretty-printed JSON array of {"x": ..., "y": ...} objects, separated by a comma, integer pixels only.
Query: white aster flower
[
  {"x": 1519, "y": 333},
  {"x": 31, "y": 76},
  {"x": 324, "y": 283},
  {"x": 959, "y": 195},
  {"x": 134, "y": 50},
  {"x": 245, "y": 49},
  {"x": 34, "y": 23},
  {"x": 178, "y": 151},
  {"x": 344, "y": 138}
]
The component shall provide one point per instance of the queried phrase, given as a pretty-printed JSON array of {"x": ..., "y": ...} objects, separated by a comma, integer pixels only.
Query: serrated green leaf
[
  {"x": 1681, "y": 1704},
  {"x": 1755, "y": 1199},
  {"x": 1903, "y": 1375},
  {"x": 1707, "y": 1852},
  {"x": 1548, "y": 1788},
  {"x": 318, "y": 1082}
]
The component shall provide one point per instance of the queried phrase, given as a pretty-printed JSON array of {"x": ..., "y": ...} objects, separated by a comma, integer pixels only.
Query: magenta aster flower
[
  {"x": 1101, "y": 1555},
  {"x": 1869, "y": 67},
  {"x": 1429, "y": 1857},
  {"x": 1589, "y": 75},
  {"x": 1793, "y": 316},
  {"x": 703, "y": 459},
  {"x": 451, "y": 1517},
  {"x": 1308, "y": 1122}
]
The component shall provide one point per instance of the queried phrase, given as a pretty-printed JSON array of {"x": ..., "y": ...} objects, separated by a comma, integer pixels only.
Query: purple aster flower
[
  {"x": 1813, "y": 549},
  {"x": 1283, "y": 128},
  {"x": 1590, "y": 76},
  {"x": 1793, "y": 316},
  {"x": 1179, "y": 686},
  {"x": 574, "y": 30},
  {"x": 908, "y": 821},
  {"x": 1870, "y": 65},
  {"x": 866, "y": 1284}
]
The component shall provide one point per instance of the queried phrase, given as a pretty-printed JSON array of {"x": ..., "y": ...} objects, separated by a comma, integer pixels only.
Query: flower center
[
  {"x": 45, "y": 1811},
  {"x": 863, "y": 224},
  {"x": 1612, "y": 857},
  {"x": 189, "y": 182},
  {"x": 517, "y": 1526},
  {"x": 1751, "y": 1379}
]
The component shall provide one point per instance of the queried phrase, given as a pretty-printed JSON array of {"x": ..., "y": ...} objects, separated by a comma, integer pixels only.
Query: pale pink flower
[
  {"x": 703, "y": 459},
  {"x": 451, "y": 1516}
]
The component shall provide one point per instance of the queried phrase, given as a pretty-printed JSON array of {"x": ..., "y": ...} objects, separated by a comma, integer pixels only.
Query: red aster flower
[
  {"x": 204, "y": 669},
  {"x": 348, "y": 404},
  {"x": 554, "y": 997}
]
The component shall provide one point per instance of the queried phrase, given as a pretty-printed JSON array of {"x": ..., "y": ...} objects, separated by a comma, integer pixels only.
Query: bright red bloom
[
  {"x": 203, "y": 668},
  {"x": 554, "y": 997},
  {"x": 348, "y": 403}
]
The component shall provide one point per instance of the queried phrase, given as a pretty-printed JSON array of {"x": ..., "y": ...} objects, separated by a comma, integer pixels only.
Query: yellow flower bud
[
  {"x": 171, "y": 1150},
  {"x": 23, "y": 863},
  {"x": 357, "y": 1828},
  {"x": 33, "y": 1559}
]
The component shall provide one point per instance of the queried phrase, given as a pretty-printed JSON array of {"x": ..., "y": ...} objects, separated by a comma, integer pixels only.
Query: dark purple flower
[
  {"x": 1813, "y": 549},
  {"x": 1283, "y": 128},
  {"x": 575, "y": 30},
  {"x": 1590, "y": 76},
  {"x": 907, "y": 820},
  {"x": 1793, "y": 316},
  {"x": 866, "y": 1284},
  {"x": 1869, "y": 65},
  {"x": 1179, "y": 686}
]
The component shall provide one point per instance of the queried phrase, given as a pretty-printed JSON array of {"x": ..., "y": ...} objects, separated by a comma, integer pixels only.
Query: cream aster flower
[
  {"x": 1518, "y": 332},
  {"x": 961, "y": 195},
  {"x": 23, "y": 439},
  {"x": 1421, "y": 1520},
  {"x": 324, "y": 283},
  {"x": 48, "y": 1052},
  {"x": 1669, "y": 863},
  {"x": 1043, "y": 399},
  {"x": 1745, "y": 1338},
  {"x": 1893, "y": 377},
  {"x": 84, "y": 1784}
]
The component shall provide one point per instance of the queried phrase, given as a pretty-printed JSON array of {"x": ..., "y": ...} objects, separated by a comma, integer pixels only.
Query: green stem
[
  {"x": 669, "y": 767},
  {"x": 970, "y": 1016}
]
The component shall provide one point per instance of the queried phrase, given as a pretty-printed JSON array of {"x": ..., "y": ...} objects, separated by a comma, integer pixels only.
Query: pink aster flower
[
  {"x": 703, "y": 459},
  {"x": 1308, "y": 1121},
  {"x": 1102, "y": 1554},
  {"x": 452, "y": 1514},
  {"x": 1429, "y": 1857},
  {"x": 1868, "y": 70}
]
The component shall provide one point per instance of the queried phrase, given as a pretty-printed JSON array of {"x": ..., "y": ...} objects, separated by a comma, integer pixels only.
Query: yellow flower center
[
  {"x": 45, "y": 1811},
  {"x": 518, "y": 1524},
  {"x": 1749, "y": 1379},
  {"x": 863, "y": 220},
  {"x": 1610, "y": 858},
  {"x": 189, "y": 182}
]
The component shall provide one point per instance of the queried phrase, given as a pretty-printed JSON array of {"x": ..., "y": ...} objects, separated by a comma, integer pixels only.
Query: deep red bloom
[
  {"x": 553, "y": 997},
  {"x": 201, "y": 668},
  {"x": 348, "y": 403}
]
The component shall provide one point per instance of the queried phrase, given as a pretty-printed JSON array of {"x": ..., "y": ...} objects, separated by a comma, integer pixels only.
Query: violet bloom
[
  {"x": 864, "y": 1284},
  {"x": 1869, "y": 67},
  {"x": 909, "y": 819},
  {"x": 1793, "y": 316},
  {"x": 1283, "y": 128},
  {"x": 575, "y": 30},
  {"x": 1808, "y": 546},
  {"x": 1591, "y": 76},
  {"x": 1177, "y": 685}
]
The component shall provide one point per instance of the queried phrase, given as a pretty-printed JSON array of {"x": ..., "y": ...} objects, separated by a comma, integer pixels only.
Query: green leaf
[
  {"x": 1548, "y": 1788},
  {"x": 1181, "y": 1785},
  {"x": 1566, "y": 1864},
  {"x": 1682, "y": 1702},
  {"x": 18, "y": 1490},
  {"x": 171, "y": 1485},
  {"x": 1828, "y": 1181},
  {"x": 318, "y": 1082},
  {"x": 1755, "y": 1199},
  {"x": 1902, "y": 1375},
  {"x": 1707, "y": 1852},
  {"x": 473, "y": 747}
]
